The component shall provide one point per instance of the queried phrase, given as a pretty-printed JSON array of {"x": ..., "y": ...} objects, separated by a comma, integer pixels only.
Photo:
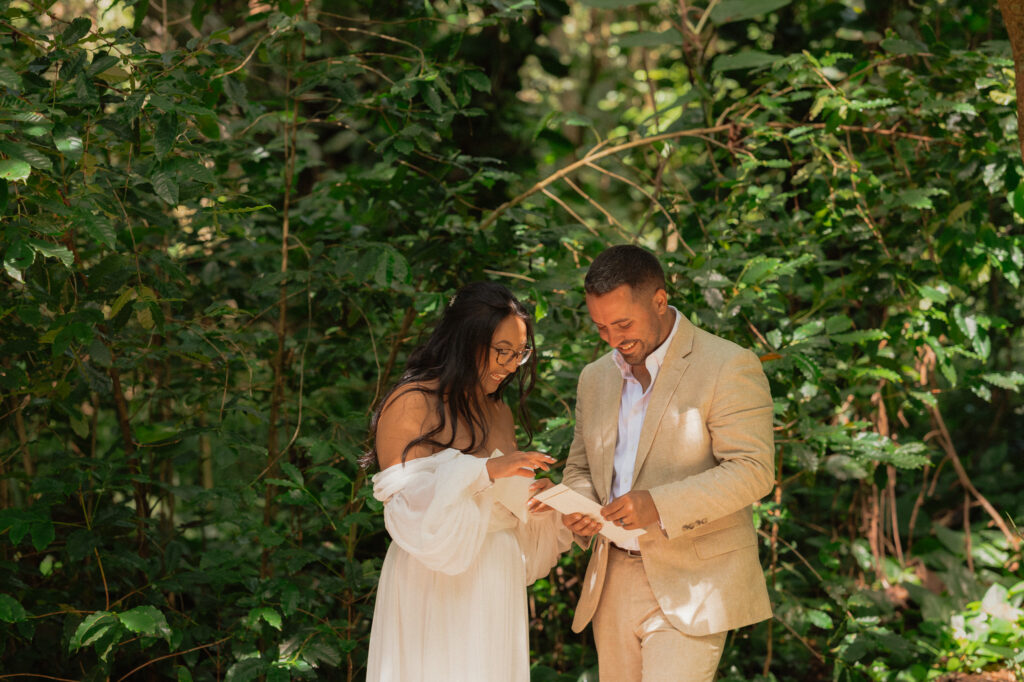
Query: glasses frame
[{"x": 521, "y": 357}]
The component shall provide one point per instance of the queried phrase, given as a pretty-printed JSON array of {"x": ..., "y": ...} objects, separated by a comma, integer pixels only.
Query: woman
[{"x": 451, "y": 602}]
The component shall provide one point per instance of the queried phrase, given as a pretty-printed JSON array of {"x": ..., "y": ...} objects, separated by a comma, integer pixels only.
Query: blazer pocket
[{"x": 726, "y": 540}]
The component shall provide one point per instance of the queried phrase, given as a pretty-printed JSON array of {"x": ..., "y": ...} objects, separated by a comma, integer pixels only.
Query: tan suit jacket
[{"x": 706, "y": 454}]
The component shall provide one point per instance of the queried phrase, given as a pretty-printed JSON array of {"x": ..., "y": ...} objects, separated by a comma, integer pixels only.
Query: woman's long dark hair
[{"x": 450, "y": 359}]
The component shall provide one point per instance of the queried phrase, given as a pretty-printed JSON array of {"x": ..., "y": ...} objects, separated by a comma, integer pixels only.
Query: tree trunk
[{"x": 1013, "y": 18}]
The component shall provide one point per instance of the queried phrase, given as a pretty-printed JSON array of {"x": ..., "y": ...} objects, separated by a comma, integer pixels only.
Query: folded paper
[
  {"x": 566, "y": 500},
  {"x": 513, "y": 492}
]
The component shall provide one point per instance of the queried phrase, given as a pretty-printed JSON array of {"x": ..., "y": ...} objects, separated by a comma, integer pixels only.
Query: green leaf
[
  {"x": 758, "y": 268},
  {"x": 208, "y": 126},
  {"x": 245, "y": 670},
  {"x": 10, "y": 610},
  {"x": 105, "y": 64},
  {"x": 837, "y": 324},
  {"x": 442, "y": 84},
  {"x": 11, "y": 521},
  {"x": 9, "y": 78},
  {"x": 477, "y": 80},
  {"x": 1011, "y": 381},
  {"x": 95, "y": 626},
  {"x": 391, "y": 268},
  {"x": 33, "y": 156},
  {"x": 101, "y": 230},
  {"x": 147, "y": 620},
  {"x": 43, "y": 533},
  {"x": 650, "y": 38},
  {"x": 155, "y": 433},
  {"x": 807, "y": 366},
  {"x": 973, "y": 327},
  {"x": 81, "y": 542},
  {"x": 14, "y": 169},
  {"x": 293, "y": 473},
  {"x": 122, "y": 298},
  {"x": 100, "y": 354},
  {"x": 750, "y": 59},
  {"x": 71, "y": 146},
  {"x": 278, "y": 673},
  {"x": 1018, "y": 200},
  {"x": 614, "y": 4},
  {"x": 166, "y": 132},
  {"x": 878, "y": 103},
  {"x": 918, "y": 197},
  {"x": 806, "y": 331},
  {"x": 900, "y": 46},
  {"x": 18, "y": 256},
  {"x": 48, "y": 250},
  {"x": 911, "y": 456},
  {"x": 878, "y": 373},
  {"x": 268, "y": 615},
  {"x": 933, "y": 294},
  {"x": 78, "y": 29},
  {"x": 739, "y": 10},
  {"x": 165, "y": 187},
  {"x": 860, "y": 336},
  {"x": 820, "y": 619},
  {"x": 432, "y": 99}
]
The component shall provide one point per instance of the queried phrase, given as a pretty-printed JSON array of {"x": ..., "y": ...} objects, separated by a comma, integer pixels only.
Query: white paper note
[
  {"x": 513, "y": 492},
  {"x": 566, "y": 500}
]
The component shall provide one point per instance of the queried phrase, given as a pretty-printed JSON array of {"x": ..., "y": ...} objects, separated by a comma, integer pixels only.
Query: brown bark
[
  {"x": 1013, "y": 18},
  {"x": 124, "y": 423},
  {"x": 26, "y": 456},
  {"x": 277, "y": 393},
  {"x": 946, "y": 441}
]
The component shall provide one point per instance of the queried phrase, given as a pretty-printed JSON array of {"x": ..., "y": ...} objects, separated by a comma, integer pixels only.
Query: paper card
[
  {"x": 566, "y": 500},
  {"x": 513, "y": 492}
]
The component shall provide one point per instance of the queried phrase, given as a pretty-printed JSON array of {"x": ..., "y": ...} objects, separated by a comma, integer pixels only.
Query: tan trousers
[{"x": 636, "y": 642}]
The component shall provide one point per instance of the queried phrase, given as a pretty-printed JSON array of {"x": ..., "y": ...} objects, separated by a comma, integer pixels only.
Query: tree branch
[{"x": 589, "y": 158}]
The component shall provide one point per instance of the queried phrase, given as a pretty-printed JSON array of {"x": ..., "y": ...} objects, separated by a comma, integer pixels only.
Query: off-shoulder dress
[{"x": 451, "y": 601}]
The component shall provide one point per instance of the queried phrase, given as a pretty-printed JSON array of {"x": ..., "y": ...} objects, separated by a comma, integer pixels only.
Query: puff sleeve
[{"x": 434, "y": 510}]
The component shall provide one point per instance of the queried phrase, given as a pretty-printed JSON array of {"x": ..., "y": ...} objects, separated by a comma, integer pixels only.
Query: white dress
[{"x": 451, "y": 601}]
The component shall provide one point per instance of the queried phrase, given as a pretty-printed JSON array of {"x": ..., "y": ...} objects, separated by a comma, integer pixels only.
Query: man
[{"x": 673, "y": 435}]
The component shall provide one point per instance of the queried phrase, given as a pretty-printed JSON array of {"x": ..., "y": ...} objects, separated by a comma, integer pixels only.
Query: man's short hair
[{"x": 624, "y": 264}]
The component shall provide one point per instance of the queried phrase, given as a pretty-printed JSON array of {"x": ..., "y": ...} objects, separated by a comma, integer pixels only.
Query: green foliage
[{"x": 223, "y": 233}]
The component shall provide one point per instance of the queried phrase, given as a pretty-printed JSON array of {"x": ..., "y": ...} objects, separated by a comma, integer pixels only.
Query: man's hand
[
  {"x": 633, "y": 510},
  {"x": 581, "y": 524}
]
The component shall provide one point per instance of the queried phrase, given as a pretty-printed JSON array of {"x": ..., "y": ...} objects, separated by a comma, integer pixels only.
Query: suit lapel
[
  {"x": 669, "y": 377},
  {"x": 608, "y": 418}
]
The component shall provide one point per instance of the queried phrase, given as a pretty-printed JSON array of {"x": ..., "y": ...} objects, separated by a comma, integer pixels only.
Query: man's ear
[{"x": 660, "y": 301}]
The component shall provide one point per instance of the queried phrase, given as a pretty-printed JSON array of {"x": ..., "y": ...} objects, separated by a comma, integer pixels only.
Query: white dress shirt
[{"x": 632, "y": 410}]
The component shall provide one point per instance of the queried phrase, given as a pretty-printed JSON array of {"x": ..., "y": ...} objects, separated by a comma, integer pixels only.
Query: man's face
[{"x": 630, "y": 320}]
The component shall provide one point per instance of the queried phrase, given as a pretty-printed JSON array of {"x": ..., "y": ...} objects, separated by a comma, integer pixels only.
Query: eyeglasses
[{"x": 506, "y": 354}]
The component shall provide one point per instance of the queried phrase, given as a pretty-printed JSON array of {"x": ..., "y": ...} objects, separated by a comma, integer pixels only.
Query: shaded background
[{"x": 226, "y": 224}]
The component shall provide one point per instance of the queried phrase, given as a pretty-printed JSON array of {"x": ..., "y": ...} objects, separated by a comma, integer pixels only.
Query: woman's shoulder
[
  {"x": 407, "y": 414},
  {"x": 413, "y": 397}
]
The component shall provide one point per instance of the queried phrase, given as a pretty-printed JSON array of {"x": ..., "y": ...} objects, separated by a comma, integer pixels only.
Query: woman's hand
[
  {"x": 534, "y": 505},
  {"x": 518, "y": 464}
]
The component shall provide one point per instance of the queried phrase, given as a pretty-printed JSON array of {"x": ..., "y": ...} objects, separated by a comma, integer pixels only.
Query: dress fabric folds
[{"x": 451, "y": 601}]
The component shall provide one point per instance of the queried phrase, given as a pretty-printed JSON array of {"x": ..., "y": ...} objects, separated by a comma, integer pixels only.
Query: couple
[{"x": 673, "y": 434}]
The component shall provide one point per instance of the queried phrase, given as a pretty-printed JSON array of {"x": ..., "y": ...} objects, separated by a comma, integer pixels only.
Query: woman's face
[{"x": 503, "y": 356}]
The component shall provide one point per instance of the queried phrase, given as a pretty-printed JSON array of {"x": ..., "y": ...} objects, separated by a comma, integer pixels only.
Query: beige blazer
[{"x": 706, "y": 454}]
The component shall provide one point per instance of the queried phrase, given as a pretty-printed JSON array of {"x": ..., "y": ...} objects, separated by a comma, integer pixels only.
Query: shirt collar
[{"x": 653, "y": 361}]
